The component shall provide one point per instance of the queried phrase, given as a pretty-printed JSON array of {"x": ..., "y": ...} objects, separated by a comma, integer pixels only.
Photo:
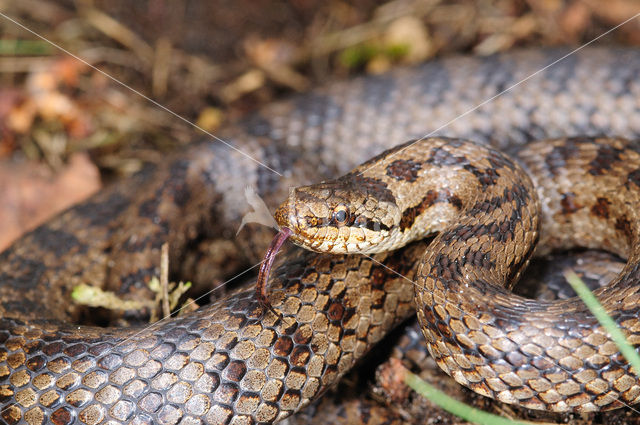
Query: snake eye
[{"x": 340, "y": 215}]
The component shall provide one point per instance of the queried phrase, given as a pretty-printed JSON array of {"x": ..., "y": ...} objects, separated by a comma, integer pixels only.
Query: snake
[
  {"x": 485, "y": 211},
  {"x": 232, "y": 362}
]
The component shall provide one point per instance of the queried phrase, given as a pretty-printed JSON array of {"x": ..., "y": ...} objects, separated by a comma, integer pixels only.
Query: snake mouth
[
  {"x": 286, "y": 214},
  {"x": 262, "y": 284}
]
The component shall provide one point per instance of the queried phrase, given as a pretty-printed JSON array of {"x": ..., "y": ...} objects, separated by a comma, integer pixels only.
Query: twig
[{"x": 164, "y": 279}]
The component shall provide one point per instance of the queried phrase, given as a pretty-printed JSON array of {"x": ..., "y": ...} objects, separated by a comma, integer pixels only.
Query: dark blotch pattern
[
  {"x": 497, "y": 160},
  {"x": 501, "y": 231},
  {"x": 432, "y": 197},
  {"x": 634, "y": 177},
  {"x": 498, "y": 230},
  {"x": 607, "y": 156},
  {"x": 486, "y": 177},
  {"x": 372, "y": 185},
  {"x": 367, "y": 223},
  {"x": 445, "y": 268},
  {"x": 624, "y": 225},
  {"x": 601, "y": 208},
  {"x": 557, "y": 158},
  {"x": 404, "y": 169},
  {"x": 517, "y": 267},
  {"x": 442, "y": 158},
  {"x": 569, "y": 204},
  {"x": 477, "y": 258},
  {"x": 516, "y": 194}
]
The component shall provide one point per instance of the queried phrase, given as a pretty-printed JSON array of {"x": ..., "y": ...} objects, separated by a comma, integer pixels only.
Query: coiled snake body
[
  {"x": 541, "y": 355},
  {"x": 225, "y": 363}
]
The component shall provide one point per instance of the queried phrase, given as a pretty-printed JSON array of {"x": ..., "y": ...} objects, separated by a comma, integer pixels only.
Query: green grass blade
[
  {"x": 605, "y": 320},
  {"x": 454, "y": 406}
]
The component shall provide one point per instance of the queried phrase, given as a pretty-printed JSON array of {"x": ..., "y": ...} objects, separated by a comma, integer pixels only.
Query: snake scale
[
  {"x": 226, "y": 363},
  {"x": 485, "y": 210}
]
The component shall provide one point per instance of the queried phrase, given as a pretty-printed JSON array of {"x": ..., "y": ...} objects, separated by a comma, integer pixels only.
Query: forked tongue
[{"x": 265, "y": 268}]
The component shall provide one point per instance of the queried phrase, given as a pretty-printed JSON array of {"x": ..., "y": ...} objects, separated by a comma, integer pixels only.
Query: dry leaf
[{"x": 31, "y": 194}]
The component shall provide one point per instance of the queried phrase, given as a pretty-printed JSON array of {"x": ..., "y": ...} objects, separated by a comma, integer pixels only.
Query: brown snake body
[
  {"x": 541, "y": 355},
  {"x": 223, "y": 364}
]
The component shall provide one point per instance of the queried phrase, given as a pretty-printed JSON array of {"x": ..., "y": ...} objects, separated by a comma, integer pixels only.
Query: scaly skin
[
  {"x": 541, "y": 355},
  {"x": 117, "y": 235}
]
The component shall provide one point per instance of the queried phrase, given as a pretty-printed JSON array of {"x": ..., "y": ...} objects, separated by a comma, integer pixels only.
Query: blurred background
[{"x": 66, "y": 129}]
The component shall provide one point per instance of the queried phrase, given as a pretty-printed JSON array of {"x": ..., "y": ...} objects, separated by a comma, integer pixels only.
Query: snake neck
[{"x": 498, "y": 208}]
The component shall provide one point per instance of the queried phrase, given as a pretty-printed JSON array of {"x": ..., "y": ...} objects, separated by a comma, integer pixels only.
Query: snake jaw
[
  {"x": 286, "y": 217},
  {"x": 293, "y": 215}
]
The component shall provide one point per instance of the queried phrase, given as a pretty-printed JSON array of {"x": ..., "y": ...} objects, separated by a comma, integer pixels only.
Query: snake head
[{"x": 340, "y": 216}]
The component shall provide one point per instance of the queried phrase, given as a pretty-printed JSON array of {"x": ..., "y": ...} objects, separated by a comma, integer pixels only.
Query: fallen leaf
[{"x": 31, "y": 193}]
